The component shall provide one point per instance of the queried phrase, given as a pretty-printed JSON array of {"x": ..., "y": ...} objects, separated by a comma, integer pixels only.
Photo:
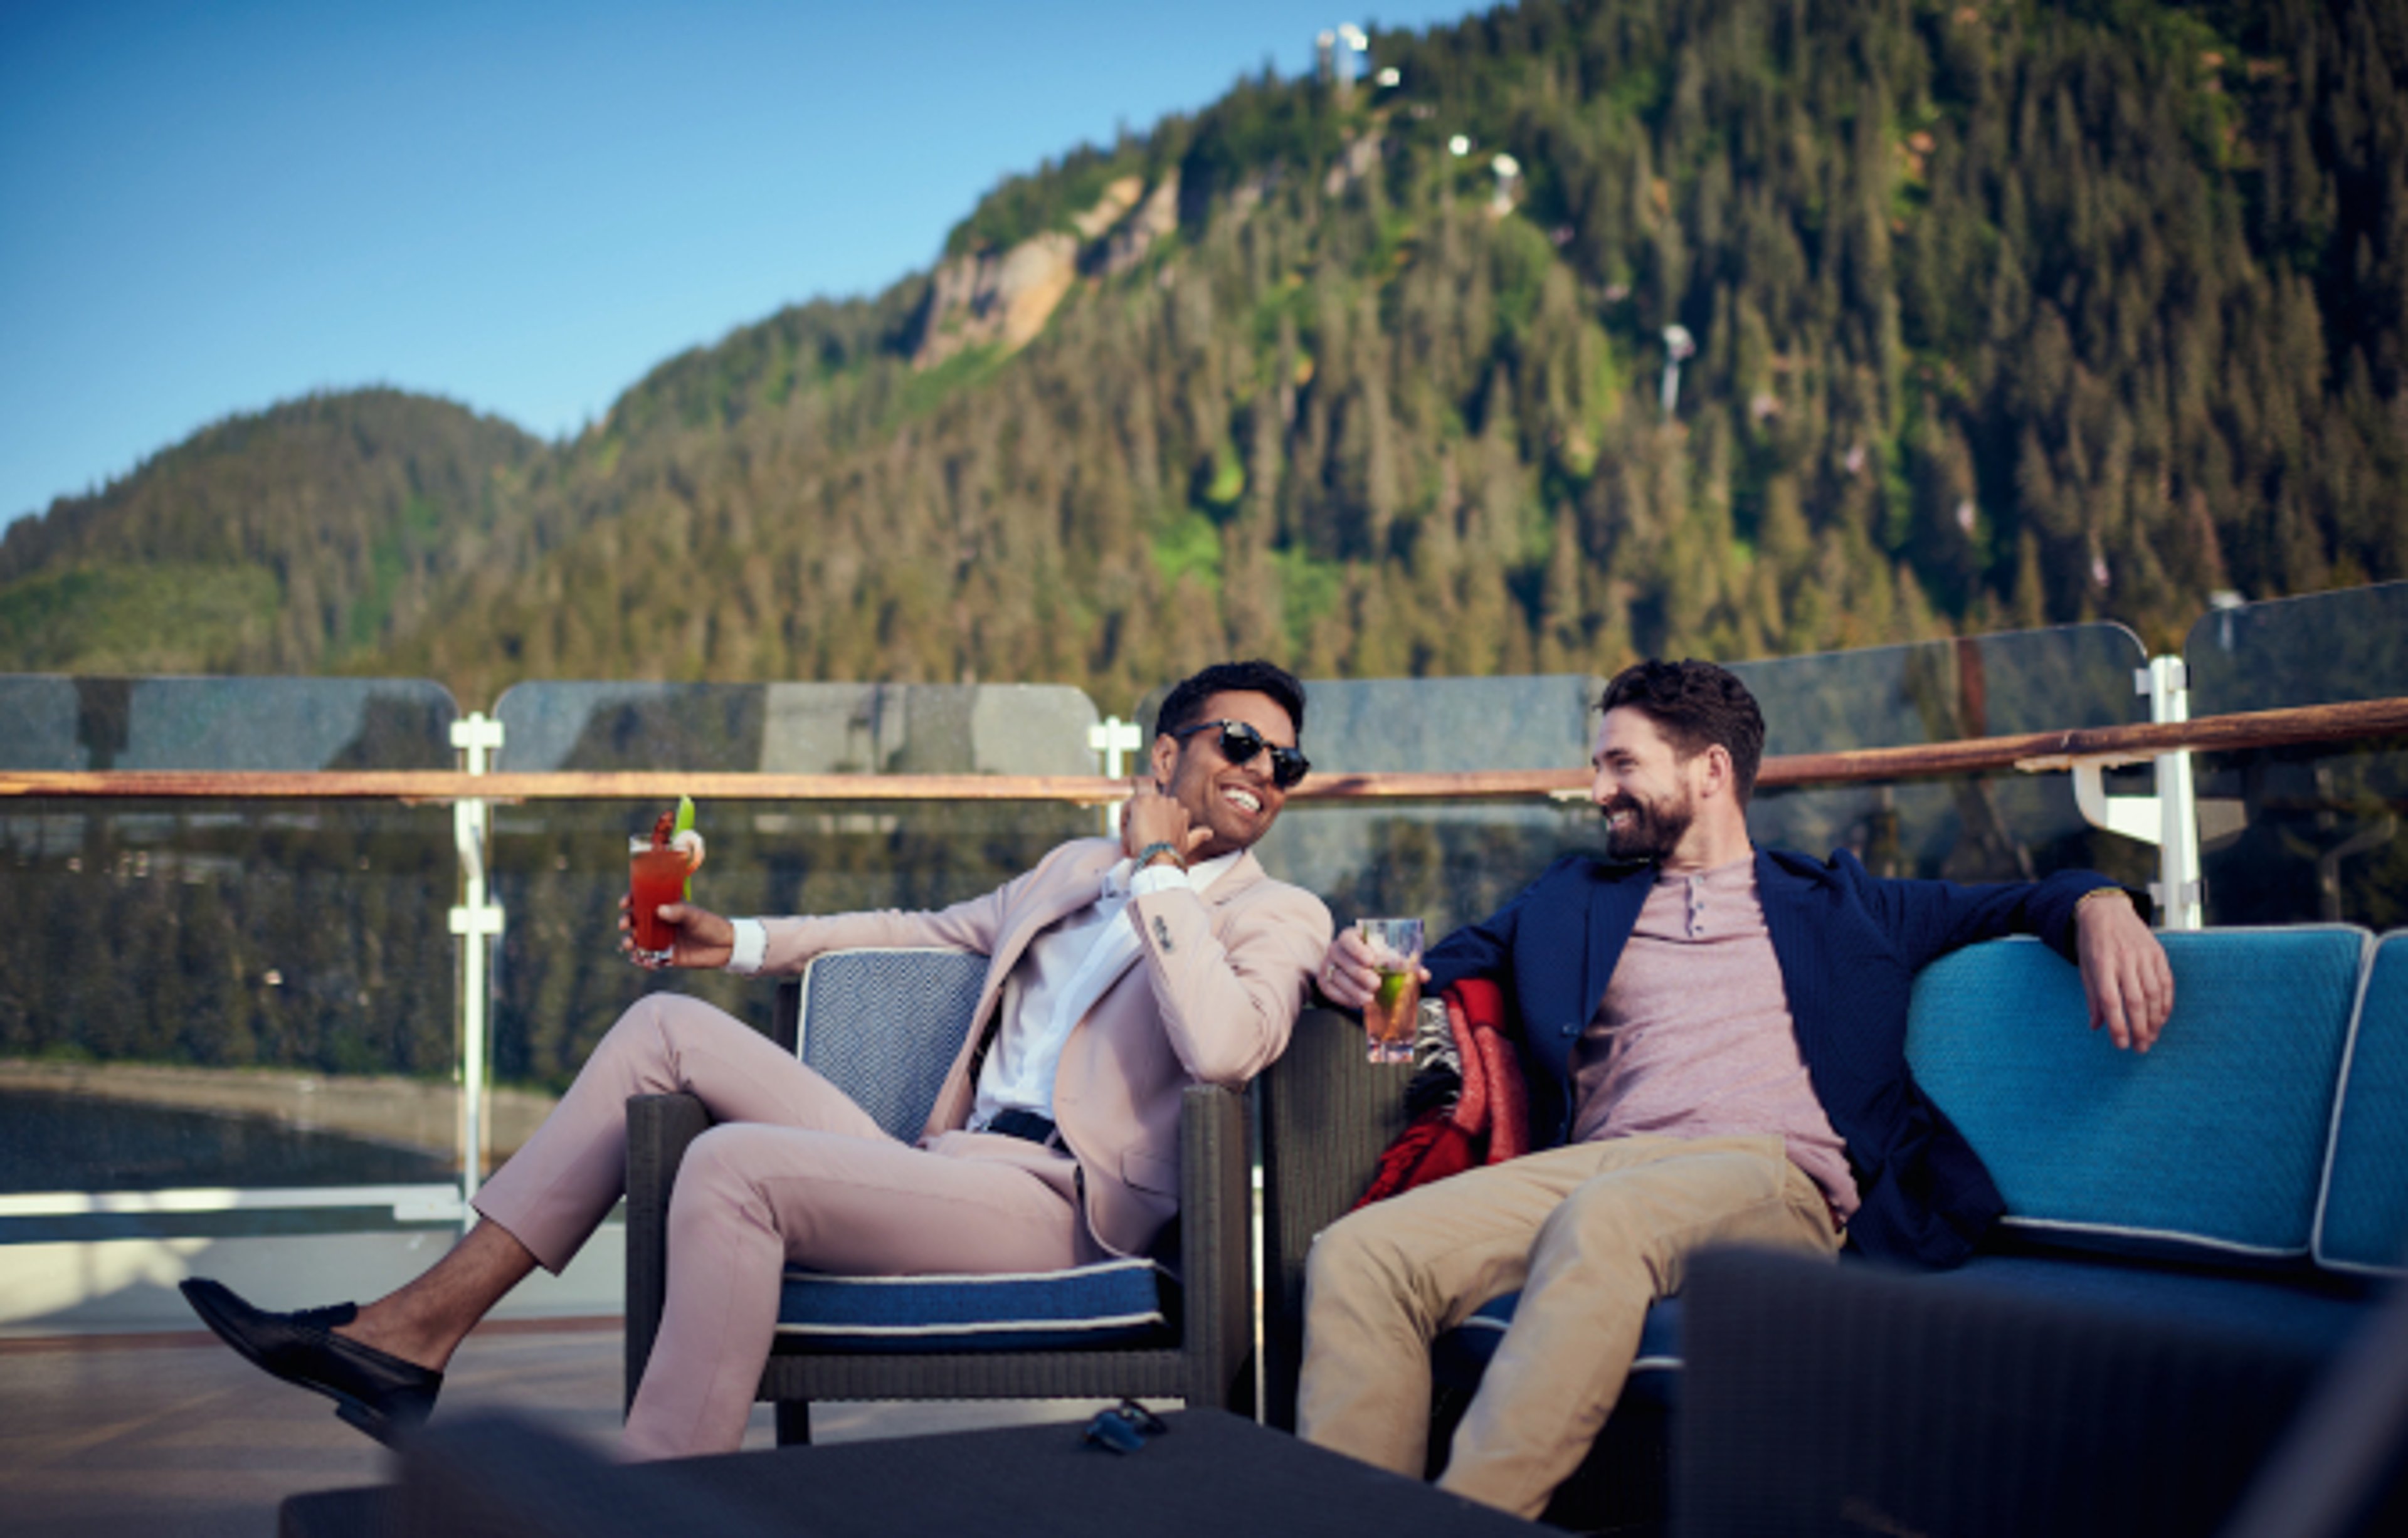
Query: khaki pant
[
  {"x": 795, "y": 1173},
  {"x": 1591, "y": 1234}
]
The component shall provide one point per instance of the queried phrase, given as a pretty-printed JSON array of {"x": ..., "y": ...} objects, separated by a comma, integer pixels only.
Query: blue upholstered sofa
[
  {"x": 2250, "y": 1174},
  {"x": 2252, "y": 1170}
]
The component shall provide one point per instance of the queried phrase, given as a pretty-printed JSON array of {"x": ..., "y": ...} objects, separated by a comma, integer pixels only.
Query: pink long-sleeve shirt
[{"x": 1694, "y": 1036}]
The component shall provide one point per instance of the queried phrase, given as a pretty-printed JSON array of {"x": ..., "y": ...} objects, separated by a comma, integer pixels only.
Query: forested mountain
[
  {"x": 2004, "y": 314},
  {"x": 278, "y": 542}
]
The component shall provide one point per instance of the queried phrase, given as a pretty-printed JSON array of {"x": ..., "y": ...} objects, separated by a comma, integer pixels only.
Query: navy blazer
[{"x": 1848, "y": 944}]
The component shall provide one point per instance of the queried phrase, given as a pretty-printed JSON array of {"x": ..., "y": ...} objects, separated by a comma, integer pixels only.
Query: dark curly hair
[
  {"x": 1696, "y": 705},
  {"x": 1185, "y": 703}
]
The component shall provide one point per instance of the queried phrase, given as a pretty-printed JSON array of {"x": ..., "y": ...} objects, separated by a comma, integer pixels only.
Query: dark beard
[{"x": 1654, "y": 833}]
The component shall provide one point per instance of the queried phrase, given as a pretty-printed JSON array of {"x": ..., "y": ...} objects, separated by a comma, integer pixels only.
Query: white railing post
[
  {"x": 476, "y": 921},
  {"x": 2169, "y": 819},
  {"x": 2181, "y": 890},
  {"x": 1111, "y": 738}
]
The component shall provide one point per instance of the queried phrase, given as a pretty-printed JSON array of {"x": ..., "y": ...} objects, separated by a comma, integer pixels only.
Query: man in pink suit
[{"x": 1120, "y": 973}]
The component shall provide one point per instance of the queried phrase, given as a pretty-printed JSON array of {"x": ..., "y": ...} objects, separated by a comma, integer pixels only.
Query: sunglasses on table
[
  {"x": 1239, "y": 743},
  {"x": 1122, "y": 1429}
]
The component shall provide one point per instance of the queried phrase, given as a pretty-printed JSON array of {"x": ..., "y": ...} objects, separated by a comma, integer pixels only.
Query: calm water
[{"x": 54, "y": 1142}]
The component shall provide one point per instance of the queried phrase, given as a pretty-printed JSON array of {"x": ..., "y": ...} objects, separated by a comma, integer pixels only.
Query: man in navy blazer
[{"x": 1714, "y": 1041}]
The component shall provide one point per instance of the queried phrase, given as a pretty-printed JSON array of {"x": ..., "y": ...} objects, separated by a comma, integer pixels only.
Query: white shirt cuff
[
  {"x": 1163, "y": 877},
  {"x": 752, "y": 946}
]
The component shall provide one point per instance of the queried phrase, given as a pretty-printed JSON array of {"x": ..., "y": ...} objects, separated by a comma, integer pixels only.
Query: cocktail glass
[
  {"x": 1389, "y": 1013},
  {"x": 656, "y": 873}
]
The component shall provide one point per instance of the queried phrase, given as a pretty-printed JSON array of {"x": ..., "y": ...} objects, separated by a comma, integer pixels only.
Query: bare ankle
[
  {"x": 424, "y": 1320},
  {"x": 381, "y": 1326}
]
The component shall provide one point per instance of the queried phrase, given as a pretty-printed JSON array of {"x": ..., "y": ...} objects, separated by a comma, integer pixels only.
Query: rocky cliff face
[
  {"x": 1118, "y": 199},
  {"x": 996, "y": 296},
  {"x": 1156, "y": 216},
  {"x": 1005, "y": 297}
]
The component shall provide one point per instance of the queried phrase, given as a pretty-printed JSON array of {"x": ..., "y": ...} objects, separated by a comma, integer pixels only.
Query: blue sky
[{"x": 206, "y": 208}]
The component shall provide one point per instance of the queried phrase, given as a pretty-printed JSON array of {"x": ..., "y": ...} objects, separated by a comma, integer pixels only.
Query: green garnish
[
  {"x": 1391, "y": 988},
  {"x": 684, "y": 822}
]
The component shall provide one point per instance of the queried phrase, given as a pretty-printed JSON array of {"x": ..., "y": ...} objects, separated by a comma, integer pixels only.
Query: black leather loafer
[{"x": 383, "y": 1395}]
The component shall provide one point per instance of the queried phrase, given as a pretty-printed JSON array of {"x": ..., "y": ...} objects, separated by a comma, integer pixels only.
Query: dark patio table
[{"x": 1210, "y": 1474}]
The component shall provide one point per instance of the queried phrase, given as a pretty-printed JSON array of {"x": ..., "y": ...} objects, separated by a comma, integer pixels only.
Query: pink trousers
[{"x": 795, "y": 1173}]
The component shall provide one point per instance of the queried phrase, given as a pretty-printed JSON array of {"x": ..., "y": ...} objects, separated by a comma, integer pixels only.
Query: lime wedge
[
  {"x": 1391, "y": 988},
  {"x": 686, "y": 822}
]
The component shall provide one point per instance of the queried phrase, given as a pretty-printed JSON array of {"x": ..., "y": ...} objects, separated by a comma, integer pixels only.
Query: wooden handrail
[
  {"x": 422, "y": 785},
  {"x": 2037, "y": 751},
  {"x": 2031, "y": 751}
]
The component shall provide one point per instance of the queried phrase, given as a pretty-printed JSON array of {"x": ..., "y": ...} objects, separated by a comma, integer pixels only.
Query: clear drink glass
[
  {"x": 1389, "y": 1013},
  {"x": 656, "y": 873}
]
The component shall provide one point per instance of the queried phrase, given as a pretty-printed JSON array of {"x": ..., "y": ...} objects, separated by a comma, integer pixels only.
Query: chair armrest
[
  {"x": 1216, "y": 1223},
  {"x": 786, "y": 1014},
  {"x": 660, "y": 1128},
  {"x": 1327, "y": 1114}
]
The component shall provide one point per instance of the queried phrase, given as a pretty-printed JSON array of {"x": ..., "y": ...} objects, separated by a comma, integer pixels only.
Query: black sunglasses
[
  {"x": 1239, "y": 743},
  {"x": 1122, "y": 1429}
]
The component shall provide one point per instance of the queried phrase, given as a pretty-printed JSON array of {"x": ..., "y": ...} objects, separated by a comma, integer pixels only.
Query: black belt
[{"x": 1026, "y": 1125}]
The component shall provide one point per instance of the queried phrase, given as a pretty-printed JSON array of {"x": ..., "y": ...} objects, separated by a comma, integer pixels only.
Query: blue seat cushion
[
  {"x": 2210, "y": 1147},
  {"x": 2362, "y": 1221},
  {"x": 1460, "y": 1357},
  {"x": 1123, "y": 1302}
]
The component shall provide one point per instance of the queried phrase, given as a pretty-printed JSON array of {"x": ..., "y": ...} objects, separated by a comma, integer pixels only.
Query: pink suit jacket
[{"x": 1210, "y": 999}]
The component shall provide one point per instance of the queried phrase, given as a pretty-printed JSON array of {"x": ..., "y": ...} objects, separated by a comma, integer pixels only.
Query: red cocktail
[{"x": 658, "y": 869}]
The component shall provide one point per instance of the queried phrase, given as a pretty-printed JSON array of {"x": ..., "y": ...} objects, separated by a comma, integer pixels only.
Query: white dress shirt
[{"x": 1060, "y": 977}]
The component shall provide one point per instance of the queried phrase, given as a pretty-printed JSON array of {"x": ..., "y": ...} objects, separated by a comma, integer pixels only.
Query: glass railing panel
[
  {"x": 1999, "y": 827},
  {"x": 559, "y": 868},
  {"x": 1452, "y": 865},
  {"x": 212, "y": 994},
  {"x": 1446, "y": 865},
  {"x": 2315, "y": 831}
]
